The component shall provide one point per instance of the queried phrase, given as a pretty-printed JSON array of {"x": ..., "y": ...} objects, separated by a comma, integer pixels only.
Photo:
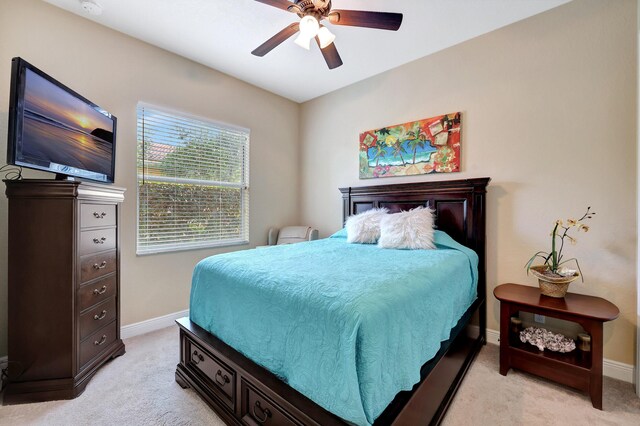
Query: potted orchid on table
[{"x": 554, "y": 274}]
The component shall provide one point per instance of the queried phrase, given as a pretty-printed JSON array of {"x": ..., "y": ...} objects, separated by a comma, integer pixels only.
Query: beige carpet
[
  {"x": 139, "y": 389},
  {"x": 487, "y": 398}
]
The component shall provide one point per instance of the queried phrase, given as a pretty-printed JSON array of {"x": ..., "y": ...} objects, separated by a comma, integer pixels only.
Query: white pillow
[
  {"x": 408, "y": 230},
  {"x": 364, "y": 227}
]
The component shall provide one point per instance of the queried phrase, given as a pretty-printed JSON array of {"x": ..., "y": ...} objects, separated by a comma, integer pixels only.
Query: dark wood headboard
[{"x": 459, "y": 208}]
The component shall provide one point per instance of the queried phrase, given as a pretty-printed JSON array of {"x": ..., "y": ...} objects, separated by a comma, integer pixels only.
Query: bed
[{"x": 248, "y": 304}]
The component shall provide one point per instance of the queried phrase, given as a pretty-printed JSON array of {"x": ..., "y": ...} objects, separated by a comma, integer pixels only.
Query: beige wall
[
  {"x": 637, "y": 375},
  {"x": 116, "y": 72},
  {"x": 549, "y": 114}
]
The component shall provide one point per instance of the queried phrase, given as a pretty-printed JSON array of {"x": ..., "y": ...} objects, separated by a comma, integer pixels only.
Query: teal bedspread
[{"x": 347, "y": 325}]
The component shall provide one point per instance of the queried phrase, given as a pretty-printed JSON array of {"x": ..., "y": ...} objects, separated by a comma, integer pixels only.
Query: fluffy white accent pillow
[
  {"x": 364, "y": 227},
  {"x": 407, "y": 230}
]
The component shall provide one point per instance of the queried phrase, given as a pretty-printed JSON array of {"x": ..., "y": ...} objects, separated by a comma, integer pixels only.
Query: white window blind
[{"x": 193, "y": 182}]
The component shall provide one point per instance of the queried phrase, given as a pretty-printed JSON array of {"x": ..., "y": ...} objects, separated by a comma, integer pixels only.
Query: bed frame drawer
[
  {"x": 212, "y": 370},
  {"x": 257, "y": 409}
]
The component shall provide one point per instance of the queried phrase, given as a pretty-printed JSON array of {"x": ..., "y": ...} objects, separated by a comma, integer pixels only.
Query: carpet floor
[{"x": 139, "y": 389}]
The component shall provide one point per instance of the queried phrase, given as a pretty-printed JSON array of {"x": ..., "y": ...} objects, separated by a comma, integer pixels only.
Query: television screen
[{"x": 53, "y": 128}]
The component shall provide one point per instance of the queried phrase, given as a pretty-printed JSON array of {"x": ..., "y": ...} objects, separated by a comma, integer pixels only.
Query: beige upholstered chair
[{"x": 292, "y": 234}]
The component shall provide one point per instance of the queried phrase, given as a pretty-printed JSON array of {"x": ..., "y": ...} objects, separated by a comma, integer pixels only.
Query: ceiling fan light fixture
[
  {"x": 309, "y": 26},
  {"x": 326, "y": 37},
  {"x": 303, "y": 41}
]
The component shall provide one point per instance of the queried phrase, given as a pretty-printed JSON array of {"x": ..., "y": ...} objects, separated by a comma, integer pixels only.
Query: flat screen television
[{"x": 55, "y": 129}]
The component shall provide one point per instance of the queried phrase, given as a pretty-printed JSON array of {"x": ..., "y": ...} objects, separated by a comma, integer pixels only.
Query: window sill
[{"x": 209, "y": 245}]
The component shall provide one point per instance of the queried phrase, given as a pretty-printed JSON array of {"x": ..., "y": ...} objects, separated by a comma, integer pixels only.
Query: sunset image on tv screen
[{"x": 60, "y": 130}]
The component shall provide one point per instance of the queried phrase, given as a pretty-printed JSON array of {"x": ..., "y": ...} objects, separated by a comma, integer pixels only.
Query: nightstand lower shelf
[
  {"x": 542, "y": 364},
  {"x": 576, "y": 358}
]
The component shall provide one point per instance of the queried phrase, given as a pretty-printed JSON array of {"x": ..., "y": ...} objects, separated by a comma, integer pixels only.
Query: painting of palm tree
[
  {"x": 380, "y": 152},
  {"x": 426, "y": 146},
  {"x": 398, "y": 150},
  {"x": 414, "y": 144}
]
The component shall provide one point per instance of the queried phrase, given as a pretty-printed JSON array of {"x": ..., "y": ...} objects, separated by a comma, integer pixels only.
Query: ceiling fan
[{"x": 311, "y": 13}]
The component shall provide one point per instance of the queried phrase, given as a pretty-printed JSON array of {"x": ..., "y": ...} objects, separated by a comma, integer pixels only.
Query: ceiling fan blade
[
  {"x": 276, "y": 40},
  {"x": 331, "y": 55},
  {"x": 360, "y": 18},
  {"x": 280, "y": 4}
]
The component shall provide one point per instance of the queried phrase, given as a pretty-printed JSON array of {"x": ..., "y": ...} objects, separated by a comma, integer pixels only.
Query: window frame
[{"x": 244, "y": 188}]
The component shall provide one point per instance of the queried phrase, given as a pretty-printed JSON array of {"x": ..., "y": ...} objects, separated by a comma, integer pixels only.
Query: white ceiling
[{"x": 222, "y": 33}]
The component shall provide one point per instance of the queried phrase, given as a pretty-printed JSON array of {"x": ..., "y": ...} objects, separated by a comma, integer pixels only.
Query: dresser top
[{"x": 49, "y": 188}]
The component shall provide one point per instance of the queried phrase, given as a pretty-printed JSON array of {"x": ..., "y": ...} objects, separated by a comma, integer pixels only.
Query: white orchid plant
[{"x": 554, "y": 260}]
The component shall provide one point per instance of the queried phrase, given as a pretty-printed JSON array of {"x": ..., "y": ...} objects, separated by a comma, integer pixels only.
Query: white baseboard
[
  {"x": 150, "y": 325},
  {"x": 618, "y": 370},
  {"x": 610, "y": 368},
  {"x": 493, "y": 337}
]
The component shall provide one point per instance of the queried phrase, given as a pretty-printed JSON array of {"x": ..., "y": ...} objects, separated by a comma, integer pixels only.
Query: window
[{"x": 193, "y": 182}]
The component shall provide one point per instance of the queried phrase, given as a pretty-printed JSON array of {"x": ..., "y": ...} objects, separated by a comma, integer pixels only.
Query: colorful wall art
[{"x": 427, "y": 146}]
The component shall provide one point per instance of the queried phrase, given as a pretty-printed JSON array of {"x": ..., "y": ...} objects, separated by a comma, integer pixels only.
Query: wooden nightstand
[{"x": 580, "y": 370}]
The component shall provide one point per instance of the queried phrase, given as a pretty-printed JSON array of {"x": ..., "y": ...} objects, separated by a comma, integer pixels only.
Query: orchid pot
[{"x": 551, "y": 284}]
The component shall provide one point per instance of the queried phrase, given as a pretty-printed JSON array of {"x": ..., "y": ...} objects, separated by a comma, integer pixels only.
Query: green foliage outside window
[{"x": 193, "y": 212}]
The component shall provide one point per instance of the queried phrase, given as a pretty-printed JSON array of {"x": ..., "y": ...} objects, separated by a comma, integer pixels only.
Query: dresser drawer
[
  {"x": 97, "y": 317},
  {"x": 99, "y": 291},
  {"x": 97, "y": 265},
  {"x": 96, "y": 343},
  {"x": 257, "y": 408},
  {"x": 92, "y": 215},
  {"x": 99, "y": 240},
  {"x": 214, "y": 371}
]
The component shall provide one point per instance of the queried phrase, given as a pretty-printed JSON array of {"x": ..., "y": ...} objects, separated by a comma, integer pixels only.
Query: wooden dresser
[{"x": 64, "y": 278}]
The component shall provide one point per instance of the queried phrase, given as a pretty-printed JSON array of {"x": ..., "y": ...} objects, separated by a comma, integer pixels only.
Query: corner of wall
[
  {"x": 637, "y": 378},
  {"x": 299, "y": 182}
]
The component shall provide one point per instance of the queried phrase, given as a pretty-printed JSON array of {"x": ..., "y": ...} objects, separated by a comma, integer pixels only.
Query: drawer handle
[
  {"x": 99, "y": 215},
  {"x": 223, "y": 379},
  {"x": 196, "y": 358},
  {"x": 104, "y": 339},
  {"x": 99, "y": 241},
  {"x": 103, "y": 290},
  {"x": 101, "y": 316},
  {"x": 265, "y": 413},
  {"x": 100, "y": 266}
]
